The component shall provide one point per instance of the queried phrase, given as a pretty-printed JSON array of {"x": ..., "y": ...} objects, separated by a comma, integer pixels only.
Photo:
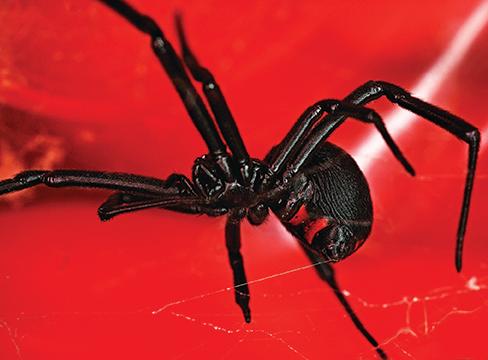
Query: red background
[{"x": 81, "y": 85}]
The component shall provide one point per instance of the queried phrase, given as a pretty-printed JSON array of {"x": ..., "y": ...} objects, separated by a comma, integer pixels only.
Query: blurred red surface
[{"x": 72, "y": 287}]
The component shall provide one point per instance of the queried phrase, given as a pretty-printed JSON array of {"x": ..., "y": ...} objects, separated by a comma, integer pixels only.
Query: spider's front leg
[
  {"x": 136, "y": 192},
  {"x": 88, "y": 179},
  {"x": 122, "y": 203}
]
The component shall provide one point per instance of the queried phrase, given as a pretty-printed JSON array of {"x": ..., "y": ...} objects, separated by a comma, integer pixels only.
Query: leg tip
[
  {"x": 459, "y": 257},
  {"x": 103, "y": 216},
  {"x": 381, "y": 353},
  {"x": 247, "y": 316},
  {"x": 459, "y": 266},
  {"x": 246, "y": 312},
  {"x": 411, "y": 170}
]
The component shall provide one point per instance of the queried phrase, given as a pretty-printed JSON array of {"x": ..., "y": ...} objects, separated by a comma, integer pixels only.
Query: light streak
[{"x": 398, "y": 121}]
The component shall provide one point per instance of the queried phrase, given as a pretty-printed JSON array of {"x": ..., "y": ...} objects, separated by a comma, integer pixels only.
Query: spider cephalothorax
[{"x": 314, "y": 187}]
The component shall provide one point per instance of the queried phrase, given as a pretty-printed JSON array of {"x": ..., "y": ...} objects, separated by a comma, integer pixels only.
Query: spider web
[{"x": 413, "y": 320}]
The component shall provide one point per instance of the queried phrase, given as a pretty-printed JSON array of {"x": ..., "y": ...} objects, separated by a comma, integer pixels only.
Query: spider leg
[
  {"x": 279, "y": 155},
  {"x": 120, "y": 198},
  {"x": 326, "y": 272},
  {"x": 175, "y": 70},
  {"x": 182, "y": 183},
  {"x": 303, "y": 127},
  {"x": 88, "y": 179},
  {"x": 217, "y": 102},
  {"x": 458, "y": 127},
  {"x": 121, "y": 203},
  {"x": 117, "y": 200},
  {"x": 135, "y": 192},
  {"x": 233, "y": 244}
]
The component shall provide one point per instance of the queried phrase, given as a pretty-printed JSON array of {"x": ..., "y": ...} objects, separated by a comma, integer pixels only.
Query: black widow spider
[{"x": 315, "y": 188}]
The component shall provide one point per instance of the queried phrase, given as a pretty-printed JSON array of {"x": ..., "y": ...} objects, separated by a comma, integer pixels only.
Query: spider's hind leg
[
  {"x": 86, "y": 179},
  {"x": 461, "y": 129},
  {"x": 326, "y": 272}
]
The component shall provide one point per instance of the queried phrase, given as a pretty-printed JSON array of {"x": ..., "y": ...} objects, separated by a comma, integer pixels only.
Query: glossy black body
[
  {"x": 303, "y": 175},
  {"x": 335, "y": 189}
]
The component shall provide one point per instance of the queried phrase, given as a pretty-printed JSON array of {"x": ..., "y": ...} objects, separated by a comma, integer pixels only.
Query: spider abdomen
[{"x": 336, "y": 216}]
